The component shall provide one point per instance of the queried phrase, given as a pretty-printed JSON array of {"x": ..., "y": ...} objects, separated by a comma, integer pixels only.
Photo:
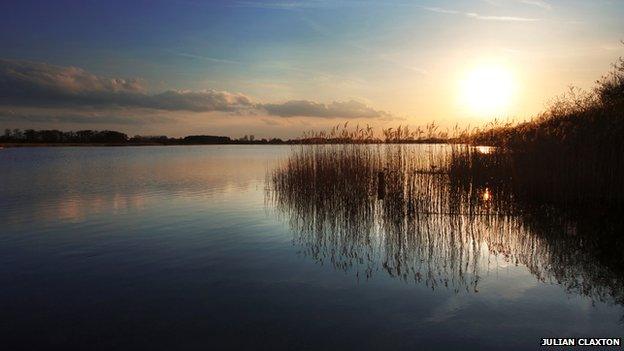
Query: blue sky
[{"x": 381, "y": 62}]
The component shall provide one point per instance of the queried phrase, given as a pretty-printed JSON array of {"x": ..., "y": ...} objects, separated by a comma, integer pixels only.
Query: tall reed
[{"x": 412, "y": 212}]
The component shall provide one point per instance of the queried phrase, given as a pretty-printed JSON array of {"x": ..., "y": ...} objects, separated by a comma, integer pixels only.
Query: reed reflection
[{"x": 414, "y": 213}]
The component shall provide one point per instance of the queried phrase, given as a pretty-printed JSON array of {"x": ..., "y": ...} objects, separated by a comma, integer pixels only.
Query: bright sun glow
[{"x": 487, "y": 91}]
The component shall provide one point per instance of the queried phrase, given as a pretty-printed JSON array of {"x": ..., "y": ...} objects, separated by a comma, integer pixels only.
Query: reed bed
[
  {"x": 572, "y": 154},
  {"x": 418, "y": 214}
]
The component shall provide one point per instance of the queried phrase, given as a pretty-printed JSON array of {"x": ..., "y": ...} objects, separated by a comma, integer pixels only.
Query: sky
[{"x": 278, "y": 68}]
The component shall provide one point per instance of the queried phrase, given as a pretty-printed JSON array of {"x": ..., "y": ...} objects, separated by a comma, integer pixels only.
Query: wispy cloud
[
  {"x": 287, "y": 5},
  {"x": 203, "y": 58},
  {"x": 478, "y": 16},
  {"x": 292, "y": 5},
  {"x": 439, "y": 10},
  {"x": 500, "y": 18},
  {"x": 538, "y": 3}
]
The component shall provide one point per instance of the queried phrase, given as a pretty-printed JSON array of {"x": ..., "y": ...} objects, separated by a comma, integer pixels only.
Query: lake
[{"x": 187, "y": 247}]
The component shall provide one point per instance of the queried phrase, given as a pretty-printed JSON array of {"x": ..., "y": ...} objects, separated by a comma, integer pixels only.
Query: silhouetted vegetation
[
  {"x": 342, "y": 134},
  {"x": 410, "y": 211},
  {"x": 206, "y": 139},
  {"x": 57, "y": 136},
  {"x": 108, "y": 137},
  {"x": 572, "y": 154}
]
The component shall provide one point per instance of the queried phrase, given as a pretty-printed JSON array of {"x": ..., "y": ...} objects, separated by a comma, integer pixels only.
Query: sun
[{"x": 487, "y": 90}]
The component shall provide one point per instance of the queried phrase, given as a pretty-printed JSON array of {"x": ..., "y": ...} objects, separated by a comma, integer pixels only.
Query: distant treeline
[
  {"x": 340, "y": 134},
  {"x": 111, "y": 137}
]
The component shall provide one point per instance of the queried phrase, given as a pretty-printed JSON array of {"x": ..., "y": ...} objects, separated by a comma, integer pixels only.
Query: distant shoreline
[{"x": 19, "y": 145}]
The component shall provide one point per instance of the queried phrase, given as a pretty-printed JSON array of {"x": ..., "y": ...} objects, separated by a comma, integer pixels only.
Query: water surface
[{"x": 185, "y": 248}]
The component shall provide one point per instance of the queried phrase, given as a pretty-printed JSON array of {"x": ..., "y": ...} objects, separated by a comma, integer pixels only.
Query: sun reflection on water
[
  {"x": 487, "y": 195},
  {"x": 486, "y": 150}
]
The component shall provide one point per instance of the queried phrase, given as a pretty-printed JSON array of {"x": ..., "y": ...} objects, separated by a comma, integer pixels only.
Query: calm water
[{"x": 182, "y": 248}]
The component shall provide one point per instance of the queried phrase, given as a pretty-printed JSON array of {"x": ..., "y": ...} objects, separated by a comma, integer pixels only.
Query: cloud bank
[
  {"x": 305, "y": 108},
  {"x": 33, "y": 84},
  {"x": 41, "y": 84}
]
